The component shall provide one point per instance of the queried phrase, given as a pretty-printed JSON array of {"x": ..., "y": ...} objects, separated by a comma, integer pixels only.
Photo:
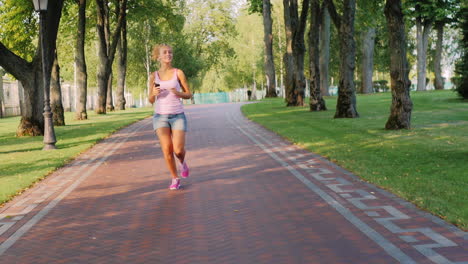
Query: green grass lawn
[
  {"x": 426, "y": 165},
  {"x": 23, "y": 162}
]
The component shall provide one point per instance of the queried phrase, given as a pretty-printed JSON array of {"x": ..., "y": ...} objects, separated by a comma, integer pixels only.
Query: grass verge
[
  {"x": 426, "y": 165},
  {"x": 23, "y": 162}
]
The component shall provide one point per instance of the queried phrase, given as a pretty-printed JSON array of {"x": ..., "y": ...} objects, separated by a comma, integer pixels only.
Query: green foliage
[
  {"x": 380, "y": 86},
  {"x": 209, "y": 28},
  {"x": 279, "y": 42},
  {"x": 425, "y": 165},
  {"x": 19, "y": 27},
  {"x": 248, "y": 46},
  {"x": 369, "y": 14},
  {"x": 255, "y": 6},
  {"x": 185, "y": 57},
  {"x": 66, "y": 40},
  {"x": 432, "y": 10}
]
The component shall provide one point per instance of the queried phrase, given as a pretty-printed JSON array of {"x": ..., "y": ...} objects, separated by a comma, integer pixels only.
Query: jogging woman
[{"x": 167, "y": 86}]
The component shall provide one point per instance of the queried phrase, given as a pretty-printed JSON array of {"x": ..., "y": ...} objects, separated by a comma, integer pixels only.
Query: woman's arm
[
  {"x": 186, "y": 94},
  {"x": 151, "y": 95}
]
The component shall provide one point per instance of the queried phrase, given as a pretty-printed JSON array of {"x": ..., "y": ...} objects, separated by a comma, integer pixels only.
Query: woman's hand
[
  {"x": 156, "y": 90},
  {"x": 182, "y": 95},
  {"x": 174, "y": 91}
]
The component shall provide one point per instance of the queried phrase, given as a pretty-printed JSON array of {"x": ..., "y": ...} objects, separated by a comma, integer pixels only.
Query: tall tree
[
  {"x": 56, "y": 105},
  {"x": 368, "y": 20},
  {"x": 444, "y": 14},
  {"x": 461, "y": 69},
  {"x": 439, "y": 82},
  {"x": 295, "y": 49},
  {"x": 400, "y": 112},
  {"x": 80, "y": 63},
  {"x": 316, "y": 100},
  {"x": 122, "y": 66},
  {"x": 1, "y": 92},
  {"x": 423, "y": 28},
  {"x": 268, "y": 39},
  {"x": 209, "y": 28},
  {"x": 424, "y": 16},
  {"x": 368, "y": 44},
  {"x": 30, "y": 72},
  {"x": 346, "y": 104},
  {"x": 240, "y": 71},
  {"x": 324, "y": 49},
  {"x": 264, "y": 7},
  {"x": 107, "y": 46}
]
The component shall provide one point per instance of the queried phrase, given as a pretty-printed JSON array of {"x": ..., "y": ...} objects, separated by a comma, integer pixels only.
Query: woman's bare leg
[
  {"x": 178, "y": 143},
  {"x": 165, "y": 140}
]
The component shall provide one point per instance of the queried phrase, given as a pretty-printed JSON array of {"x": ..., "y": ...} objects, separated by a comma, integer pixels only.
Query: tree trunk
[
  {"x": 147, "y": 61},
  {"x": 30, "y": 74},
  {"x": 253, "y": 97},
  {"x": 439, "y": 80},
  {"x": 109, "y": 71},
  {"x": 346, "y": 103},
  {"x": 295, "y": 50},
  {"x": 280, "y": 47},
  {"x": 422, "y": 34},
  {"x": 324, "y": 50},
  {"x": 268, "y": 58},
  {"x": 107, "y": 45},
  {"x": 56, "y": 105},
  {"x": 316, "y": 101},
  {"x": 299, "y": 53},
  {"x": 461, "y": 67},
  {"x": 1, "y": 93},
  {"x": 80, "y": 63},
  {"x": 109, "y": 97},
  {"x": 121, "y": 67},
  {"x": 102, "y": 79},
  {"x": 400, "y": 111},
  {"x": 290, "y": 85},
  {"x": 367, "y": 61}
]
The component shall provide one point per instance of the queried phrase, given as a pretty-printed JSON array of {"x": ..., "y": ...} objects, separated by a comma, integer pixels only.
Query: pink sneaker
[
  {"x": 175, "y": 185},
  {"x": 184, "y": 171}
]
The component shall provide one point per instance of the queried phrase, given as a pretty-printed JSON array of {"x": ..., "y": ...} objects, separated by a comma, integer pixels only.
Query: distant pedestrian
[{"x": 167, "y": 86}]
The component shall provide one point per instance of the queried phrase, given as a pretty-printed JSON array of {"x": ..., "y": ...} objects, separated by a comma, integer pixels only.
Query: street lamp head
[{"x": 40, "y": 5}]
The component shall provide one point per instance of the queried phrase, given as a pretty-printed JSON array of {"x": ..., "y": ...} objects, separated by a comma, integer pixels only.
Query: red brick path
[{"x": 251, "y": 198}]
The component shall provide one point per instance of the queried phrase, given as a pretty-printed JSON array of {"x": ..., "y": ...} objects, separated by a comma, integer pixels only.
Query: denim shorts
[{"x": 172, "y": 121}]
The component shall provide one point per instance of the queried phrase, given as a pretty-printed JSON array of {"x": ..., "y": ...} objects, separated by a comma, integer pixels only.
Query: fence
[
  {"x": 11, "y": 92},
  {"x": 11, "y": 96}
]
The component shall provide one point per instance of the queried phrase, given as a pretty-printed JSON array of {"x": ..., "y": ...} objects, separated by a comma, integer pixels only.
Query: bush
[
  {"x": 462, "y": 87},
  {"x": 358, "y": 85},
  {"x": 380, "y": 86}
]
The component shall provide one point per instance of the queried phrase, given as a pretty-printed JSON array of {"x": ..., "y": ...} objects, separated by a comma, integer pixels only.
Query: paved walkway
[{"x": 252, "y": 198}]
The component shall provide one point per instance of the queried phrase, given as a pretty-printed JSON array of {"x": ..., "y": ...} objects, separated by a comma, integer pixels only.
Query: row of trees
[
  {"x": 215, "y": 42},
  {"x": 24, "y": 63},
  {"x": 426, "y": 14},
  {"x": 94, "y": 37}
]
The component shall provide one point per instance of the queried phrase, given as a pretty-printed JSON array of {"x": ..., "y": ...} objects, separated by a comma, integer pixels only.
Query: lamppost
[{"x": 49, "y": 134}]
